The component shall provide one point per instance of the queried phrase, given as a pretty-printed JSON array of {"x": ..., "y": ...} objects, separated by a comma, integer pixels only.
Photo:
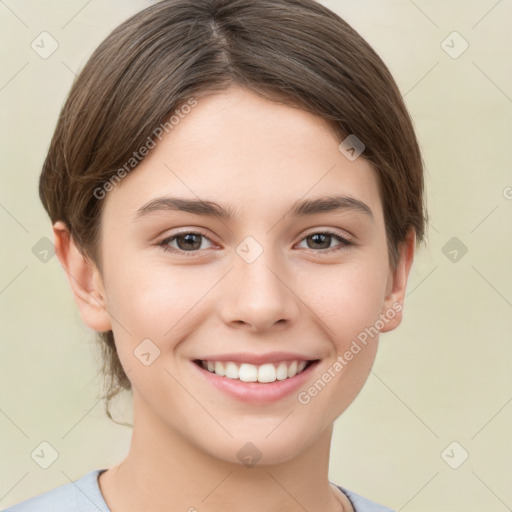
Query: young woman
[{"x": 236, "y": 193}]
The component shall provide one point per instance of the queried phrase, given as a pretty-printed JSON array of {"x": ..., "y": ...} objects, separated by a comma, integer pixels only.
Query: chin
[{"x": 259, "y": 448}]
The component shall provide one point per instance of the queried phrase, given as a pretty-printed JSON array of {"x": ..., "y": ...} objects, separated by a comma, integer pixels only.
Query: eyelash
[{"x": 343, "y": 245}]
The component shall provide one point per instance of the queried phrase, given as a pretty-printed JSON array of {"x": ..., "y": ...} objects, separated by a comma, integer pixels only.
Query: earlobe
[
  {"x": 397, "y": 284},
  {"x": 84, "y": 278}
]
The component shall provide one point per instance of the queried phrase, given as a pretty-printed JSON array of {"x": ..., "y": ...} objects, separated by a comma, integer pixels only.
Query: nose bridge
[{"x": 257, "y": 292}]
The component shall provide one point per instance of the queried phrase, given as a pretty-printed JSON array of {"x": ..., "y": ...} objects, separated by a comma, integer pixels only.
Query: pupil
[
  {"x": 190, "y": 241},
  {"x": 321, "y": 238}
]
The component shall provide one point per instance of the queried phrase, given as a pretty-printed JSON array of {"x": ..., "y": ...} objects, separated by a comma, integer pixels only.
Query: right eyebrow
[{"x": 196, "y": 206}]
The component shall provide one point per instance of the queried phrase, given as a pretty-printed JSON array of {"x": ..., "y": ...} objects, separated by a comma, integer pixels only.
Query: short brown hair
[{"x": 294, "y": 51}]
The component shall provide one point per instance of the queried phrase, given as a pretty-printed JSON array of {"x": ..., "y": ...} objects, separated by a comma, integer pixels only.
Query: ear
[
  {"x": 84, "y": 278},
  {"x": 397, "y": 283}
]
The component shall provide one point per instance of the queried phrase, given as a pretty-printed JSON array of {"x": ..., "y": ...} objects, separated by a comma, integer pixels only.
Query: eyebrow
[{"x": 299, "y": 208}]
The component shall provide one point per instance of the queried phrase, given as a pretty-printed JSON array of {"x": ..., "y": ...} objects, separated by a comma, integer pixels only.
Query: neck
[{"x": 163, "y": 471}]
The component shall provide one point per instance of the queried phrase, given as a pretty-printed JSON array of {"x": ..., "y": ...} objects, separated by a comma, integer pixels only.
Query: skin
[{"x": 186, "y": 433}]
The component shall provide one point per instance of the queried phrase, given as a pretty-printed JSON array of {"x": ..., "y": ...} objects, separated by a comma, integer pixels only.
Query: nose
[{"x": 259, "y": 295}]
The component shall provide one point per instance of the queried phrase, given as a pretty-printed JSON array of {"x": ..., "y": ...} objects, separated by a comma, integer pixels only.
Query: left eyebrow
[
  {"x": 329, "y": 204},
  {"x": 211, "y": 209}
]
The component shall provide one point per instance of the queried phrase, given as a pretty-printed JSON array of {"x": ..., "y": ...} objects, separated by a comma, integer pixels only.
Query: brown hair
[{"x": 294, "y": 51}]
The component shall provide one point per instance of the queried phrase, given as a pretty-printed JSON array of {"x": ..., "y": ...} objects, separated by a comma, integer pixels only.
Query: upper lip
[{"x": 258, "y": 359}]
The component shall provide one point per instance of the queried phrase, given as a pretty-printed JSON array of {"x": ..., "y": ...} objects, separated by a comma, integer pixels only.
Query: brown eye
[
  {"x": 190, "y": 241},
  {"x": 319, "y": 241},
  {"x": 186, "y": 242},
  {"x": 322, "y": 241}
]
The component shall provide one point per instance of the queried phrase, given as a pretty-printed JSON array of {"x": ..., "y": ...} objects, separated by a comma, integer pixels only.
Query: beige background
[{"x": 443, "y": 376}]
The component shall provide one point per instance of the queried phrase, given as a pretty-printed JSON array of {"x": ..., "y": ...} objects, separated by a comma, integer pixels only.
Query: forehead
[{"x": 256, "y": 155}]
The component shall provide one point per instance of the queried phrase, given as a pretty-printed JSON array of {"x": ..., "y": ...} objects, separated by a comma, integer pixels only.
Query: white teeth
[
  {"x": 231, "y": 370},
  {"x": 219, "y": 369},
  {"x": 292, "y": 369},
  {"x": 246, "y": 372},
  {"x": 267, "y": 373},
  {"x": 282, "y": 371}
]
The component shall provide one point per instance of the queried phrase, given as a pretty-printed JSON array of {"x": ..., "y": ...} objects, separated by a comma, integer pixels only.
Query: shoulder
[
  {"x": 362, "y": 504},
  {"x": 83, "y": 495}
]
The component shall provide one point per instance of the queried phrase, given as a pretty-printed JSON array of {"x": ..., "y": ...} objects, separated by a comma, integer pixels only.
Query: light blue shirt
[{"x": 84, "y": 495}]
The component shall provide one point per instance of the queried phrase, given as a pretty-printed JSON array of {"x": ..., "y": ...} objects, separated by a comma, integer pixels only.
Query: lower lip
[{"x": 256, "y": 392}]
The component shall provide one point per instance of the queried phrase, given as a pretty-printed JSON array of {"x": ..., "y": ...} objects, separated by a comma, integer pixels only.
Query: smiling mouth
[{"x": 265, "y": 373}]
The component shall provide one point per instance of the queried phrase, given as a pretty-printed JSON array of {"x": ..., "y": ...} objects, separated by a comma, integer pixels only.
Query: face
[{"x": 249, "y": 267}]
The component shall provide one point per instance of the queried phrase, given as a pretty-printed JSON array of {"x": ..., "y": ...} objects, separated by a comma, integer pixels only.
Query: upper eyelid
[
  {"x": 331, "y": 231},
  {"x": 187, "y": 232}
]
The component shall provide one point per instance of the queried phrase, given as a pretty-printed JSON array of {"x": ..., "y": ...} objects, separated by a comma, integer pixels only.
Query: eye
[
  {"x": 190, "y": 242},
  {"x": 321, "y": 240},
  {"x": 186, "y": 242}
]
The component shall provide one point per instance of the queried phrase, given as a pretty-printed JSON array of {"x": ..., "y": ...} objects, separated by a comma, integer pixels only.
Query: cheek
[
  {"x": 349, "y": 305},
  {"x": 151, "y": 309},
  {"x": 148, "y": 300},
  {"x": 351, "y": 299},
  {"x": 156, "y": 301}
]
